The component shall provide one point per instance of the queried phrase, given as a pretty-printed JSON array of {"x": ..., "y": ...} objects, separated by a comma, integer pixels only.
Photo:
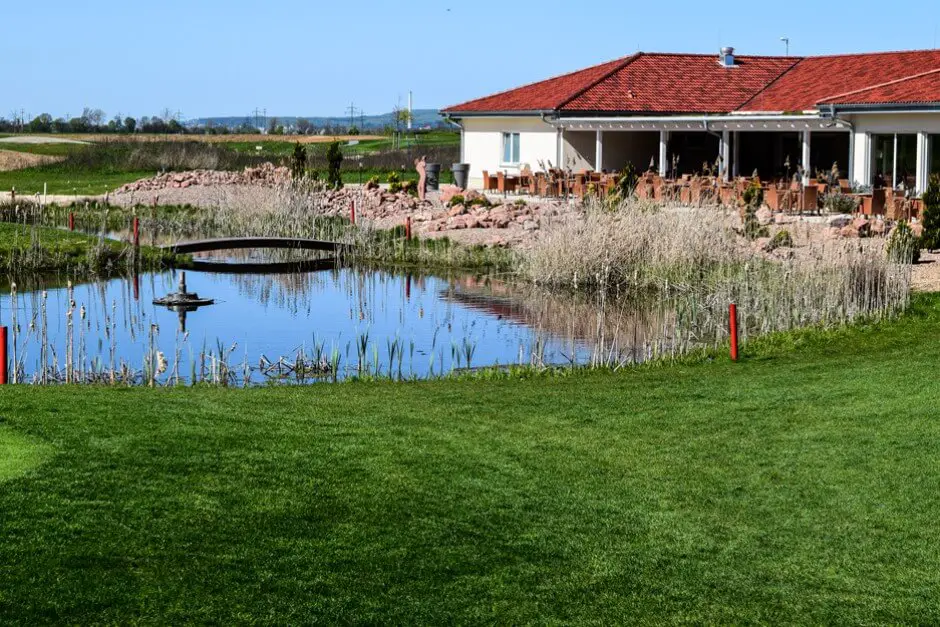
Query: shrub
[
  {"x": 782, "y": 239},
  {"x": 837, "y": 202},
  {"x": 393, "y": 178},
  {"x": 298, "y": 161},
  {"x": 410, "y": 187},
  {"x": 455, "y": 200},
  {"x": 753, "y": 195},
  {"x": 334, "y": 160},
  {"x": 480, "y": 201},
  {"x": 372, "y": 183},
  {"x": 931, "y": 215},
  {"x": 903, "y": 247}
]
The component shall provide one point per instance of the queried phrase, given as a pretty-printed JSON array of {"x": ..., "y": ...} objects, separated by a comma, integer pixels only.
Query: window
[{"x": 510, "y": 147}]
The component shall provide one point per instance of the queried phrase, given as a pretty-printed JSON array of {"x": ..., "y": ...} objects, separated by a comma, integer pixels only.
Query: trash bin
[
  {"x": 433, "y": 176},
  {"x": 461, "y": 174}
]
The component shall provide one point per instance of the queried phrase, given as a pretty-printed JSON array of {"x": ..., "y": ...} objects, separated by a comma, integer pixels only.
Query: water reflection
[{"x": 325, "y": 324}]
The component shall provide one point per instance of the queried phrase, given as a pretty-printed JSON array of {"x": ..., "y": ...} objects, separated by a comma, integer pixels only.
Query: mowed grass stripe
[{"x": 800, "y": 485}]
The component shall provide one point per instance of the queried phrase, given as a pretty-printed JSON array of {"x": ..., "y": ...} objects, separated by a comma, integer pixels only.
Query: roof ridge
[
  {"x": 877, "y": 85},
  {"x": 544, "y": 80},
  {"x": 627, "y": 61},
  {"x": 776, "y": 78},
  {"x": 870, "y": 54},
  {"x": 712, "y": 55}
]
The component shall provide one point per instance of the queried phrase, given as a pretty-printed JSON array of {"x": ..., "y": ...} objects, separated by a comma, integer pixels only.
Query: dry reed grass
[
  {"x": 697, "y": 252},
  {"x": 216, "y": 139},
  {"x": 12, "y": 160}
]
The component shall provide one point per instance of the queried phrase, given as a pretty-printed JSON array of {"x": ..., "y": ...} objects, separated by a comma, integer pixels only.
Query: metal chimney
[{"x": 726, "y": 56}]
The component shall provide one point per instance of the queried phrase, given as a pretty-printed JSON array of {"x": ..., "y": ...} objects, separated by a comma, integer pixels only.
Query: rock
[
  {"x": 848, "y": 231},
  {"x": 839, "y": 221},
  {"x": 833, "y": 232},
  {"x": 764, "y": 216},
  {"x": 471, "y": 194},
  {"x": 530, "y": 225},
  {"x": 448, "y": 192},
  {"x": 862, "y": 226},
  {"x": 761, "y": 243},
  {"x": 457, "y": 210},
  {"x": 877, "y": 227}
]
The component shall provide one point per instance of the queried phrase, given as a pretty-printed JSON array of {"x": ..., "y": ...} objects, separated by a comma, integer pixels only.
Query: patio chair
[{"x": 489, "y": 182}]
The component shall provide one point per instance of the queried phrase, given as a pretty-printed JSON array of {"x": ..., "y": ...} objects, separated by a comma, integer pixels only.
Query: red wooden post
[
  {"x": 3, "y": 355},
  {"x": 136, "y": 232},
  {"x": 71, "y": 221},
  {"x": 733, "y": 321},
  {"x": 352, "y": 211},
  {"x": 136, "y": 284},
  {"x": 408, "y": 228},
  {"x": 408, "y": 287}
]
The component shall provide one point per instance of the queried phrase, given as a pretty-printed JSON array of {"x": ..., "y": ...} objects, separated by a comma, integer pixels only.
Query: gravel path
[{"x": 38, "y": 139}]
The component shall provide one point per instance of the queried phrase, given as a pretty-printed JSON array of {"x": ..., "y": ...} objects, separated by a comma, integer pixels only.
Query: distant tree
[
  {"x": 173, "y": 126},
  {"x": 78, "y": 125},
  {"x": 130, "y": 125},
  {"x": 353, "y": 130},
  {"x": 93, "y": 118},
  {"x": 334, "y": 161},
  {"x": 41, "y": 124},
  {"x": 59, "y": 125},
  {"x": 304, "y": 126},
  {"x": 273, "y": 125}
]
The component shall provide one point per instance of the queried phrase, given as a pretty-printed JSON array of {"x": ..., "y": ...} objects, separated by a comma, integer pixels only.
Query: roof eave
[
  {"x": 496, "y": 114},
  {"x": 885, "y": 107}
]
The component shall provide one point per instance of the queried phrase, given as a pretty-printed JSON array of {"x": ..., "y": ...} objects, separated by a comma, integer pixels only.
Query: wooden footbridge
[{"x": 243, "y": 243}]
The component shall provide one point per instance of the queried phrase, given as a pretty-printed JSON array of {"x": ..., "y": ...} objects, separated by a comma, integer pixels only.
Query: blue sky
[{"x": 296, "y": 57}]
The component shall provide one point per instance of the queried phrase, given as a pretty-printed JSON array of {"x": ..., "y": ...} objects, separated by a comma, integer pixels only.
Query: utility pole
[{"x": 410, "y": 109}]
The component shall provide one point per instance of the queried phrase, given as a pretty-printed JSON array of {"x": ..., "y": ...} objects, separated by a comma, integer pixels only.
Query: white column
[
  {"x": 894, "y": 163},
  {"x": 663, "y": 156},
  {"x": 850, "y": 166},
  {"x": 736, "y": 152},
  {"x": 560, "y": 149},
  {"x": 599, "y": 152},
  {"x": 725, "y": 155},
  {"x": 922, "y": 165},
  {"x": 807, "y": 138}
]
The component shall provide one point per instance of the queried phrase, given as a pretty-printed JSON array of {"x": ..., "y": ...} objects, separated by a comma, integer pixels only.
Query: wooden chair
[
  {"x": 489, "y": 182},
  {"x": 505, "y": 185}
]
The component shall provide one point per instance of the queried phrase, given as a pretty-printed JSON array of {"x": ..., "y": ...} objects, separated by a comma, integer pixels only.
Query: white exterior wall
[
  {"x": 482, "y": 145},
  {"x": 869, "y": 124}
]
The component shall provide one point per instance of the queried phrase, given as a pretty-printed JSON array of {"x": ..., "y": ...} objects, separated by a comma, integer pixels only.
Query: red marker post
[
  {"x": 733, "y": 322},
  {"x": 136, "y": 232},
  {"x": 408, "y": 228},
  {"x": 3, "y": 355},
  {"x": 352, "y": 211},
  {"x": 71, "y": 221}
]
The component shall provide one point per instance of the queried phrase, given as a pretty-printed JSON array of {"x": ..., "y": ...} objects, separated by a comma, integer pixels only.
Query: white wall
[
  {"x": 888, "y": 123},
  {"x": 482, "y": 145}
]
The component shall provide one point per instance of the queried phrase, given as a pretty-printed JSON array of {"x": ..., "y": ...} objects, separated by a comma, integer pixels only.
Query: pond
[{"x": 323, "y": 325}]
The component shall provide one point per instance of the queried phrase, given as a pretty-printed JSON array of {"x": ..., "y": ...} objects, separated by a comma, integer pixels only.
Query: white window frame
[{"x": 515, "y": 146}]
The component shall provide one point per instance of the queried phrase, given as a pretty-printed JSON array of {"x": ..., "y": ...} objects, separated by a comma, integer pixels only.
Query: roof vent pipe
[{"x": 726, "y": 57}]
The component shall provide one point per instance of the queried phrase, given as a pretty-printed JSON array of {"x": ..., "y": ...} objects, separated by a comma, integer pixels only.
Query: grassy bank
[
  {"x": 38, "y": 250},
  {"x": 800, "y": 485}
]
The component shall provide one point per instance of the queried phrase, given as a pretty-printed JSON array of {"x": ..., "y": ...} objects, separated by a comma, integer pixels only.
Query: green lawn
[
  {"x": 30, "y": 181},
  {"x": 54, "y": 150},
  {"x": 798, "y": 486},
  {"x": 43, "y": 250},
  {"x": 19, "y": 454}
]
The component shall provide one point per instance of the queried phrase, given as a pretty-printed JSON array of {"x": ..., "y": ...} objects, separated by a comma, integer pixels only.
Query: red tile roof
[
  {"x": 814, "y": 79},
  {"x": 690, "y": 83},
  {"x": 680, "y": 83},
  {"x": 546, "y": 95},
  {"x": 922, "y": 88}
]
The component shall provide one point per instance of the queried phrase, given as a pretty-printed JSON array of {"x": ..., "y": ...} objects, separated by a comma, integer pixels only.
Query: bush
[
  {"x": 837, "y": 202},
  {"x": 455, "y": 200},
  {"x": 298, "y": 161},
  {"x": 753, "y": 195},
  {"x": 334, "y": 160},
  {"x": 372, "y": 183},
  {"x": 931, "y": 216},
  {"x": 782, "y": 239},
  {"x": 903, "y": 247}
]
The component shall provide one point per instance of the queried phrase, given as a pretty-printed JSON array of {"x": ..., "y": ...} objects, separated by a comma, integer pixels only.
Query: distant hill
[{"x": 422, "y": 118}]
